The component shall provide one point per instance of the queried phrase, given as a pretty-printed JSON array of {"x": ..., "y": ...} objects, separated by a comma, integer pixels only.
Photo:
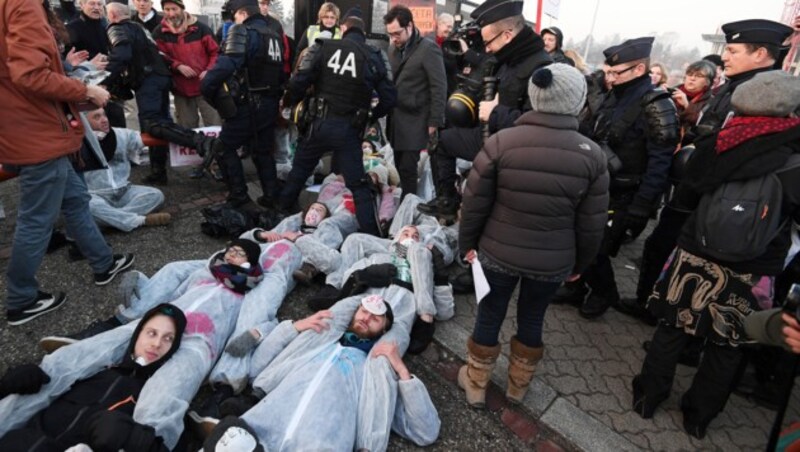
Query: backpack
[{"x": 738, "y": 220}]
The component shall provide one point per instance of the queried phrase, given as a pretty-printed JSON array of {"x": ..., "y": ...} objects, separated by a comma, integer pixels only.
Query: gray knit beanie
[
  {"x": 771, "y": 93},
  {"x": 558, "y": 89}
]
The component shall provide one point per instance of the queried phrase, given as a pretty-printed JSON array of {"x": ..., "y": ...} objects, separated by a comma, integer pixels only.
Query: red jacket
[
  {"x": 34, "y": 90},
  {"x": 194, "y": 47}
]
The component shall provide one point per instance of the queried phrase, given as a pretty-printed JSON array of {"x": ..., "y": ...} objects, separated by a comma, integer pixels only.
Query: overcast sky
[{"x": 632, "y": 18}]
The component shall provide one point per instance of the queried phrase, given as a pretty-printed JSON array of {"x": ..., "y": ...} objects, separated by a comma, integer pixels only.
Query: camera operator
[{"x": 518, "y": 51}]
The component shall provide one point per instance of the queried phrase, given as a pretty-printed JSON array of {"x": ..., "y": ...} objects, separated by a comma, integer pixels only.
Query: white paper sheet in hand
[{"x": 479, "y": 279}]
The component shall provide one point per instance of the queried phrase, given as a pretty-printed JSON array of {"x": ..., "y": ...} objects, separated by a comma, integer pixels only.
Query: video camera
[
  {"x": 475, "y": 84},
  {"x": 469, "y": 32},
  {"x": 792, "y": 303}
]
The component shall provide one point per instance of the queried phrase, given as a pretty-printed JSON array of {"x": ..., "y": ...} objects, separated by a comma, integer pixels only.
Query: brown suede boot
[
  {"x": 475, "y": 375},
  {"x": 521, "y": 366},
  {"x": 157, "y": 219}
]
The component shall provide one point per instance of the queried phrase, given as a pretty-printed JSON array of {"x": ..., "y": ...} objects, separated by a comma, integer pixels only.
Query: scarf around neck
[
  {"x": 743, "y": 128},
  {"x": 524, "y": 44},
  {"x": 233, "y": 277}
]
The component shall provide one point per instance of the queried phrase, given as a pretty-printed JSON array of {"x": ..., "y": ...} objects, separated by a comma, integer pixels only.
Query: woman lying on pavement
[
  {"x": 335, "y": 381},
  {"x": 82, "y": 401},
  {"x": 213, "y": 298}
]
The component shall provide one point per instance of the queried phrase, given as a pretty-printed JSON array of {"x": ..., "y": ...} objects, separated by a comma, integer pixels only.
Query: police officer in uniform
[
  {"x": 753, "y": 46},
  {"x": 135, "y": 64},
  {"x": 250, "y": 70},
  {"x": 639, "y": 124},
  {"x": 344, "y": 74},
  {"x": 519, "y": 51}
]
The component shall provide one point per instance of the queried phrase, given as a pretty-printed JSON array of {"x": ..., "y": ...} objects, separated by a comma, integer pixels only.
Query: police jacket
[
  {"x": 345, "y": 73},
  {"x": 133, "y": 55},
  {"x": 719, "y": 107},
  {"x": 640, "y": 123},
  {"x": 252, "y": 55},
  {"x": 516, "y": 62}
]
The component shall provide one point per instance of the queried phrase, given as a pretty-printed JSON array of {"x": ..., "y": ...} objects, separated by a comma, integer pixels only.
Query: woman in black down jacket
[{"x": 534, "y": 209}]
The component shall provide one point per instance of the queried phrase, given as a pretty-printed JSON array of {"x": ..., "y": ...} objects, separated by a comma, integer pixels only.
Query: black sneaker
[
  {"x": 43, "y": 304},
  {"x": 207, "y": 415},
  {"x": 121, "y": 263},
  {"x": 237, "y": 405},
  {"x": 305, "y": 274},
  {"x": 421, "y": 336},
  {"x": 632, "y": 307},
  {"x": 52, "y": 343},
  {"x": 429, "y": 208}
]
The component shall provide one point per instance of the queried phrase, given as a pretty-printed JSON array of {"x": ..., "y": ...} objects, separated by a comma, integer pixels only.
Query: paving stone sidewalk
[
  {"x": 582, "y": 386},
  {"x": 579, "y": 399}
]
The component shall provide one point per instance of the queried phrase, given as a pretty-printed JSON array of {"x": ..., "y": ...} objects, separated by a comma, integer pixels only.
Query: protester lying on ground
[
  {"x": 212, "y": 294},
  {"x": 86, "y": 403},
  {"x": 336, "y": 381},
  {"x": 115, "y": 201}
]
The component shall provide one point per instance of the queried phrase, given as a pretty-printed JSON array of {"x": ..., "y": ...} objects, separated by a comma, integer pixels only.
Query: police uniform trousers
[
  {"x": 337, "y": 135},
  {"x": 253, "y": 125},
  {"x": 455, "y": 143},
  {"x": 152, "y": 100}
]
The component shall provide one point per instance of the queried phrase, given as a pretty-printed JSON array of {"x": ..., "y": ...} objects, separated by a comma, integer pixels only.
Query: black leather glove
[
  {"x": 637, "y": 217},
  {"x": 440, "y": 276},
  {"x": 114, "y": 430},
  {"x": 24, "y": 379},
  {"x": 380, "y": 275}
]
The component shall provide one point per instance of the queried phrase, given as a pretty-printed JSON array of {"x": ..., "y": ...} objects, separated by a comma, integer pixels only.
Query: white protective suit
[
  {"x": 211, "y": 311},
  {"x": 323, "y": 396},
  {"x": 115, "y": 201},
  {"x": 363, "y": 250}
]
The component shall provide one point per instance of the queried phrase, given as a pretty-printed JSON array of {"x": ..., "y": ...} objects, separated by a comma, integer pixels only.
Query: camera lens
[{"x": 792, "y": 302}]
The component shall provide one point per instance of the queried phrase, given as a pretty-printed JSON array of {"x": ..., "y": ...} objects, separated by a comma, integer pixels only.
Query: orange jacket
[{"x": 34, "y": 91}]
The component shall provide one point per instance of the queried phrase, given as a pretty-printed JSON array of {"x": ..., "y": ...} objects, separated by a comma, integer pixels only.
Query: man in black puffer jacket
[{"x": 98, "y": 410}]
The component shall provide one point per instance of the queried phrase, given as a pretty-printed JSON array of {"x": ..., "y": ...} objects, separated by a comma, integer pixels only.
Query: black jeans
[
  {"x": 254, "y": 125},
  {"x": 534, "y": 296}
]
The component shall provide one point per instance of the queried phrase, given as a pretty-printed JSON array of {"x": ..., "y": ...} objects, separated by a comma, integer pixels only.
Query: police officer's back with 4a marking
[
  {"x": 250, "y": 71},
  {"x": 344, "y": 74}
]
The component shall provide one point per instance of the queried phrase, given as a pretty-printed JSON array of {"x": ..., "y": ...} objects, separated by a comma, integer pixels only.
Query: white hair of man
[
  {"x": 119, "y": 10},
  {"x": 446, "y": 17}
]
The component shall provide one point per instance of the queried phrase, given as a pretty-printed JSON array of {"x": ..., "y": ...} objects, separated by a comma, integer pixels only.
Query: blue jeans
[
  {"x": 44, "y": 190},
  {"x": 339, "y": 136},
  {"x": 534, "y": 296}
]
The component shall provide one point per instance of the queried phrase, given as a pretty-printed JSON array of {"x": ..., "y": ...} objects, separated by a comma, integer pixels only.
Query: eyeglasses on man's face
[{"x": 615, "y": 74}]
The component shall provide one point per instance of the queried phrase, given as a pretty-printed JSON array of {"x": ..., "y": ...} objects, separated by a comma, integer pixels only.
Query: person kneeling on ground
[
  {"x": 97, "y": 410},
  {"x": 115, "y": 201}
]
